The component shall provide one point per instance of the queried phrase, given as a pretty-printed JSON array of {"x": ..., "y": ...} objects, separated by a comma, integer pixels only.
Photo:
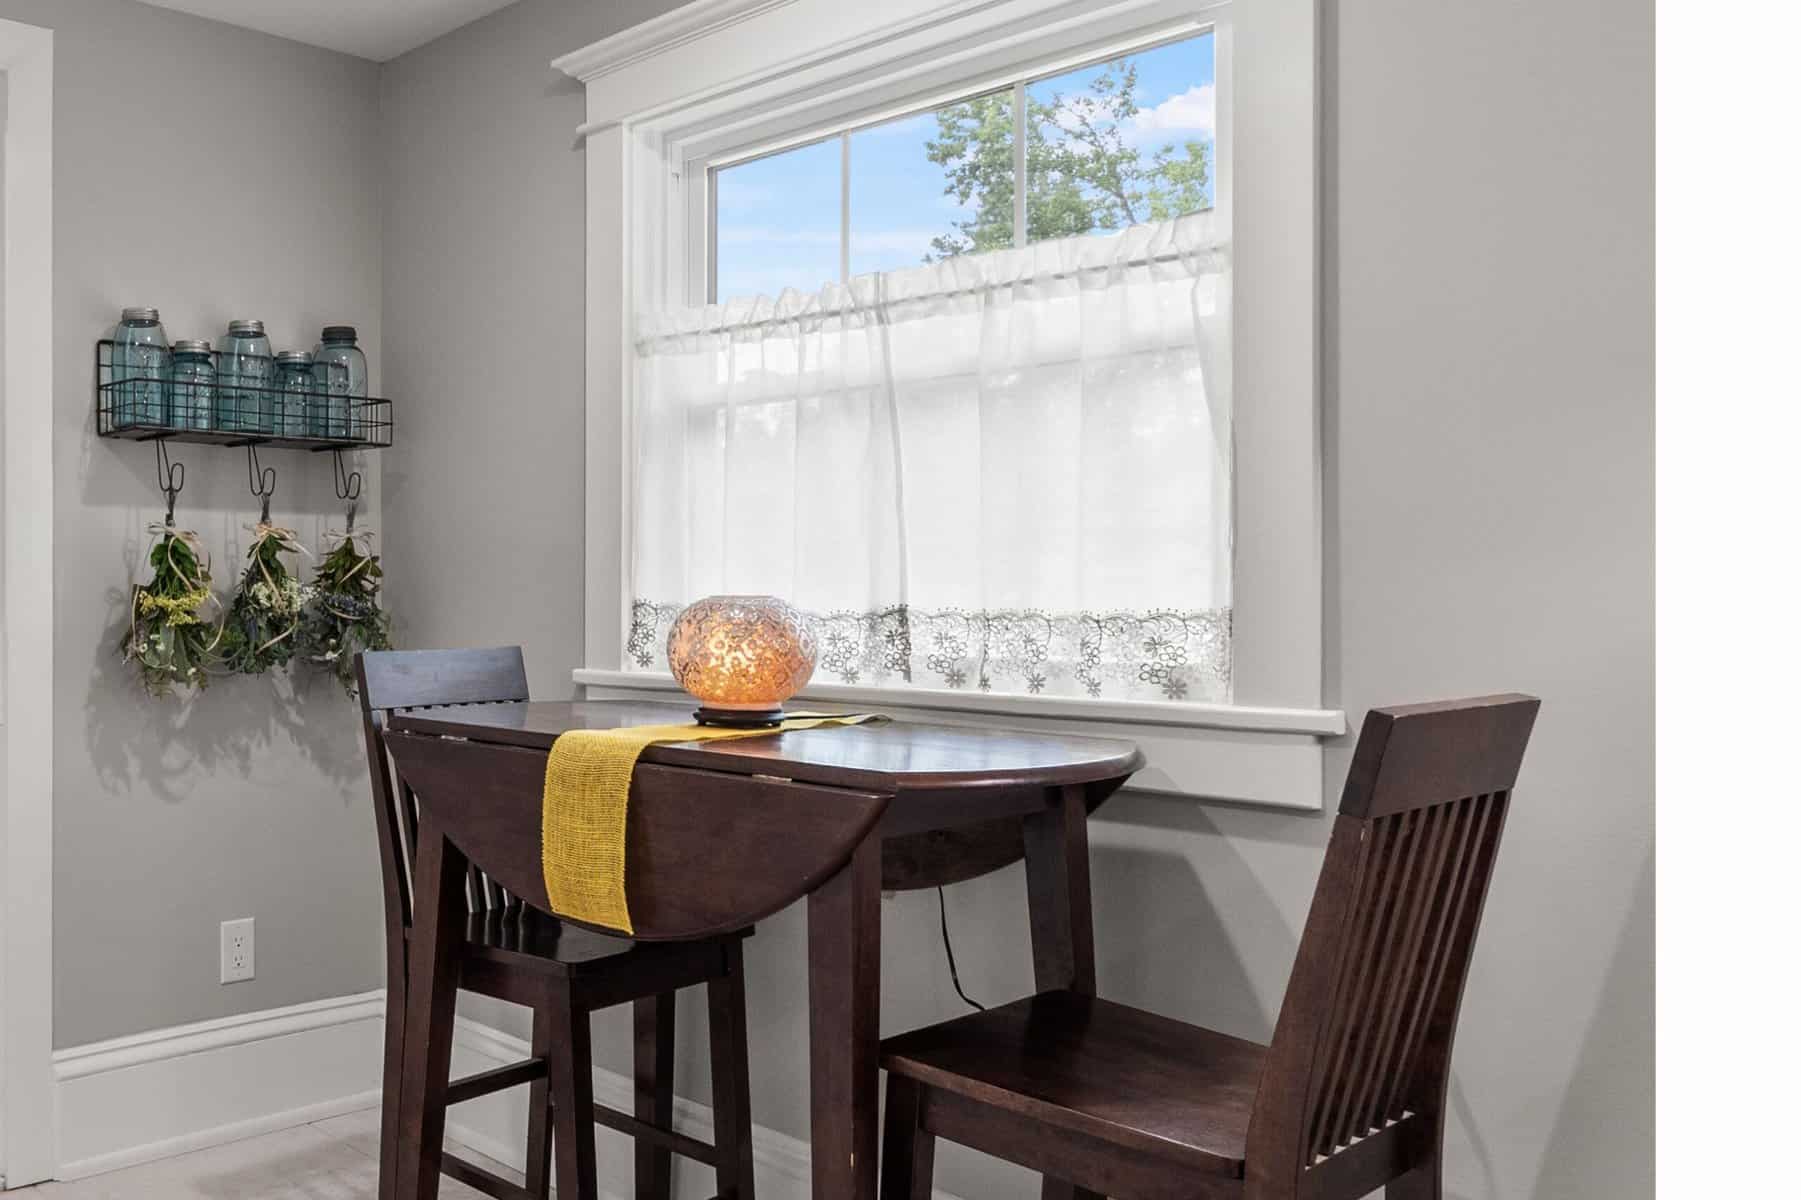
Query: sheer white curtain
[{"x": 1006, "y": 472}]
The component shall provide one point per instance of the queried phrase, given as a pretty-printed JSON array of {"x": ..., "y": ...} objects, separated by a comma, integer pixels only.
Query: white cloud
[
  {"x": 1183, "y": 117},
  {"x": 1179, "y": 118}
]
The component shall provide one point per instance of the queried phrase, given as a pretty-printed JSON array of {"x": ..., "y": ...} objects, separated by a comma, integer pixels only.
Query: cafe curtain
[{"x": 1005, "y": 472}]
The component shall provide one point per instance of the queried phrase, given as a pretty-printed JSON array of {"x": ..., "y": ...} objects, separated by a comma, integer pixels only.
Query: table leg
[
  {"x": 1062, "y": 914},
  {"x": 844, "y": 969},
  {"x": 438, "y": 920},
  {"x": 1057, "y": 890}
]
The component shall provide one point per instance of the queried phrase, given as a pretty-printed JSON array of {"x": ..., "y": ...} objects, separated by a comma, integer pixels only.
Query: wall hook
[
  {"x": 262, "y": 482},
  {"x": 170, "y": 478},
  {"x": 349, "y": 485}
]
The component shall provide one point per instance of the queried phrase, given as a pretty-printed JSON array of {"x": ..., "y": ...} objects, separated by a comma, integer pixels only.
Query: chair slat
[
  {"x": 1376, "y": 980},
  {"x": 1453, "y": 959},
  {"x": 1403, "y": 979},
  {"x": 1430, "y": 916},
  {"x": 1345, "y": 1010},
  {"x": 1465, "y": 815}
]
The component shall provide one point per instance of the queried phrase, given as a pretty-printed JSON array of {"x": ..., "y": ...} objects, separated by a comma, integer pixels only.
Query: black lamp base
[{"x": 739, "y": 718}]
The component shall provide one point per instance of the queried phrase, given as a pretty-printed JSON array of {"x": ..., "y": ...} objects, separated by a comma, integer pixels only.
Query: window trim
[{"x": 717, "y": 70}]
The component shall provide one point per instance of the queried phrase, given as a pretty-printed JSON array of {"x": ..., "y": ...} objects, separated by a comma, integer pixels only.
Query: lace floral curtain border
[{"x": 1182, "y": 655}]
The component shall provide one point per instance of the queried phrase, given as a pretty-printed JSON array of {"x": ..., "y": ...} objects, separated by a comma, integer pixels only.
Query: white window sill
[{"x": 1243, "y": 754}]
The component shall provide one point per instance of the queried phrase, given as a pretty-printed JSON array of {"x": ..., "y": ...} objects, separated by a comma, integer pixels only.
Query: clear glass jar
[
  {"x": 193, "y": 393},
  {"x": 349, "y": 377},
  {"x": 246, "y": 375},
  {"x": 140, "y": 370},
  {"x": 300, "y": 401}
]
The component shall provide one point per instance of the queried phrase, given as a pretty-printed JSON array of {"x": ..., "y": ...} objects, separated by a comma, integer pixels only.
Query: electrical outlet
[{"x": 237, "y": 950}]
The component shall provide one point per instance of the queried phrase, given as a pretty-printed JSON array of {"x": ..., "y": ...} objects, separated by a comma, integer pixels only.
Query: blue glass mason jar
[
  {"x": 246, "y": 400},
  {"x": 140, "y": 370},
  {"x": 300, "y": 400},
  {"x": 193, "y": 394},
  {"x": 331, "y": 412},
  {"x": 346, "y": 372}
]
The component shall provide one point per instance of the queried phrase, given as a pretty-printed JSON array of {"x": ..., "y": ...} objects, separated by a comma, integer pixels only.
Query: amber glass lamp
[{"x": 741, "y": 657}]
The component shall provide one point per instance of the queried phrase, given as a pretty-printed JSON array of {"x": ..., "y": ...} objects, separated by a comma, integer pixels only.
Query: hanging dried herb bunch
[
  {"x": 343, "y": 614},
  {"x": 168, "y": 641},
  {"x": 262, "y": 629}
]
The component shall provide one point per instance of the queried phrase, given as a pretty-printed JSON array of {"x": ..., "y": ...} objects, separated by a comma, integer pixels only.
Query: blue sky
[{"x": 779, "y": 216}]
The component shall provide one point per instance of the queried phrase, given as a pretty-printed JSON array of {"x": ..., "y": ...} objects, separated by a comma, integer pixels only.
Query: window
[
  {"x": 863, "y": 355},
  {"x": 967, "y": 400},
  {"x": 1125, "y": 140}
]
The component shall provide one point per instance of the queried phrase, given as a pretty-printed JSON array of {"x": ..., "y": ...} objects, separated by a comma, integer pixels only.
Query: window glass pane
[
  {"x": 1122, "y": 142},
  {"x": 778, "y": 221},
  {"x": 932, "y": 185}
]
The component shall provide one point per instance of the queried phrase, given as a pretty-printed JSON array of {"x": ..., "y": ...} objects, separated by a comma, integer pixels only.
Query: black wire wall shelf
[{"x": 143, "y": 408}]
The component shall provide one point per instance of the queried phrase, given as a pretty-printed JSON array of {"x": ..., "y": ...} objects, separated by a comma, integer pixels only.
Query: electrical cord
[{"x": 950, "y": 956}]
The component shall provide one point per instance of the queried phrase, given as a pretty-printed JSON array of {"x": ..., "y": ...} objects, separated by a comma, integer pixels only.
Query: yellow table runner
[{"x": 585, "y": 794}]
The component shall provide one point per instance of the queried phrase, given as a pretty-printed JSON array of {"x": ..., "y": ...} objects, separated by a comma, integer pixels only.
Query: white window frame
[{"x": 670, "y": 95}]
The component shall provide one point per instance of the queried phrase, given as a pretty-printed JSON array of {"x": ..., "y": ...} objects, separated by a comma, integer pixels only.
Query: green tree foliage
[{"x": 1081, "y": 174}]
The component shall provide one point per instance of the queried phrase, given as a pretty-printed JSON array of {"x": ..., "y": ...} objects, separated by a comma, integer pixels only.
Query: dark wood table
[{"x": 722, "y": 834}]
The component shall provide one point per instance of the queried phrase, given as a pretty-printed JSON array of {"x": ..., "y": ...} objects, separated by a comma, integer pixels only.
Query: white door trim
[{"x": 27, "y": 1142}]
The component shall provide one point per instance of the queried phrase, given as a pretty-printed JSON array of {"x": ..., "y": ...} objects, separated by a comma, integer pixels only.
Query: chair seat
[
  {"x": 531, "y": 935},
  {"x": 1127, "y": 1077},
  {"x": 530, "y": 940}
]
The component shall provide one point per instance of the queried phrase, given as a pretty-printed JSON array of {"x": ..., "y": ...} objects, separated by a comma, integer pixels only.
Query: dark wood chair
[
  {"x": 1349, "y": 1096},
  {"x": 559, "y": 970}
]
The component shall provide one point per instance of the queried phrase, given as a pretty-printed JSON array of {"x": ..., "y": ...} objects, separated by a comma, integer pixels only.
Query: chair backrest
[
  {"x": 1362, "y": 1048},
  {"x": 390, "y": 681}
]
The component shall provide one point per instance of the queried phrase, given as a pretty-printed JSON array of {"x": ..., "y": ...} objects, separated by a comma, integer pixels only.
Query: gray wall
[
  {"x": 215, "y": 173},
  {"x": 482, "y": 242},
  {"x": 1487, "y": 411}
]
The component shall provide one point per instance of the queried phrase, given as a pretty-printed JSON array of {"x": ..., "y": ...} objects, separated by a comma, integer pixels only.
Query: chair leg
[
  {"x": 572, "y": 1101},
  {"x": 537, "y": 1136},
  {"x": 907, "y": 1150},
  {"x": 728, "y": 1037},
  {"x": 1424, "y": 1182},
  {"x": 393, "y": 1052},
  {"x": 653, "y": 1086}
]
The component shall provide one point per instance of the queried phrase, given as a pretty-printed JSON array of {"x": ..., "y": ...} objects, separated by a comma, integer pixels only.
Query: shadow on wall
[
  {"x": 1198, "y": 909},
  {"x": 1583, "y": 1158},
  {"x": 169, "y": 744}
]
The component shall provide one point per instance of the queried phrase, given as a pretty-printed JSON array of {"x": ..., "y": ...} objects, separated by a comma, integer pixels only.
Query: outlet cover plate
[{"x": 237, "y": 950}]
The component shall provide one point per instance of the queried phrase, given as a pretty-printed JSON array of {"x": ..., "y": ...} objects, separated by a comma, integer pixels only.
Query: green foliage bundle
[
  {"x": 168, "y": 641},
  {"x": 343, "y": 615},
  {"x": 262, "y": 628}
]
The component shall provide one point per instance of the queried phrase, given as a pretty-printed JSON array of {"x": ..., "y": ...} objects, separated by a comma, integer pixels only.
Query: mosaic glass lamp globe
[{"x": 741, "y": 657}]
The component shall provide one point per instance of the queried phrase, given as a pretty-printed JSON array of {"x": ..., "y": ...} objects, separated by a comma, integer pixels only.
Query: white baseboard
[{"x": 169, "y": 1091}]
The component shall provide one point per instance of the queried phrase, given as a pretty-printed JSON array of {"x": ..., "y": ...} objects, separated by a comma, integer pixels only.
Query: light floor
[{"x": 331, "y": 1160}]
